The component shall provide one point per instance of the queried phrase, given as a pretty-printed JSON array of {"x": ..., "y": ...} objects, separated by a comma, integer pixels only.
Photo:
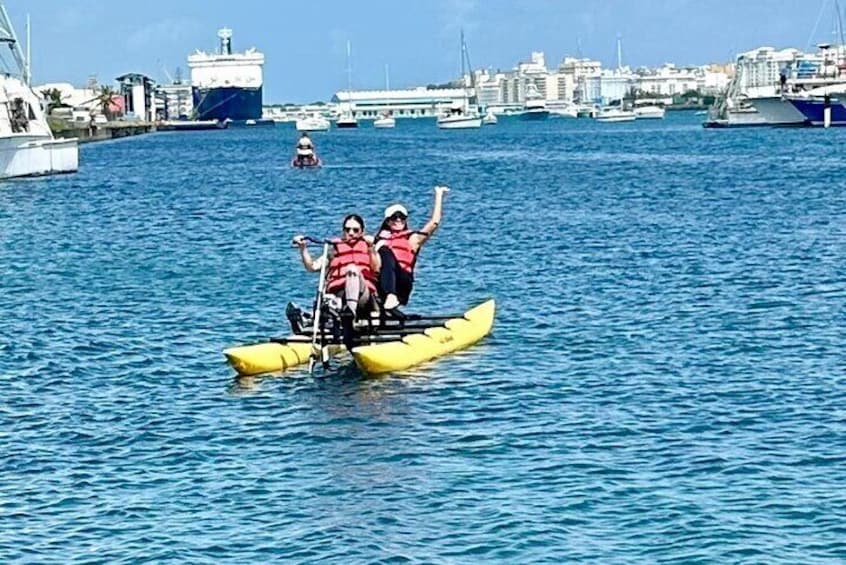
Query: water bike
[
  {"x": 380, "y": 343},
  {"x": 310, "y": 162}
]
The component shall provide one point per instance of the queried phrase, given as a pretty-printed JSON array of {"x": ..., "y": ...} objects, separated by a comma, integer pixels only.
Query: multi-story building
[
  {"x": 177, "y": 100},
  {"x": 666, "y": 81},
  {"x": 758, "y": 71}
]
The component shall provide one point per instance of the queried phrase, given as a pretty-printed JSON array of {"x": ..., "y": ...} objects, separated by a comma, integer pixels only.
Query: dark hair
[
  {"x": 355, "y": 217},
  {"x": 386, "y": 225}
]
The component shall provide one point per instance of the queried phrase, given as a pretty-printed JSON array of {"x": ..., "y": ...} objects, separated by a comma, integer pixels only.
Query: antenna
[
  {"x": 619, "y": 52},
  {"x": 28, "y": 53}
]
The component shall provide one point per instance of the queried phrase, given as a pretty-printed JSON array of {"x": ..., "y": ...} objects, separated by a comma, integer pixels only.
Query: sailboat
[
  {"x": 463, "y": 115},
  {"x": 347, "y": 119},
  {"x": 385, "y": 119}
]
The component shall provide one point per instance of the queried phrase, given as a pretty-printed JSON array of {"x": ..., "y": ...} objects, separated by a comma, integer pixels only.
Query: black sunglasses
[
  {"x": 397, "y": 216},
  {"x": 352, "y": 229}
]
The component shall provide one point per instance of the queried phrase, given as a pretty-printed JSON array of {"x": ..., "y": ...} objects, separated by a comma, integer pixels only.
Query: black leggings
[{"x": 392, "y": 278}]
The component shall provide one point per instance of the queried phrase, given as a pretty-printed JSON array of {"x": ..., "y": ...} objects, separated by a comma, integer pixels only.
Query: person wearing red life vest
[
  {"x": 399, "y": 247},
  {"x": 352, "y": 268}
]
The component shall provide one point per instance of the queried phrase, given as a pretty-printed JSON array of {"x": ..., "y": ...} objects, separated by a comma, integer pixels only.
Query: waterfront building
[
  {"x": 605, "y": 86},
  {"x": 666, "y": 81},
  {"x": 176, "y": 100},
  {"x": 417, "y": 102},
  {"x": 137, "y": 91},
  {"x": 571, "y": 76}
]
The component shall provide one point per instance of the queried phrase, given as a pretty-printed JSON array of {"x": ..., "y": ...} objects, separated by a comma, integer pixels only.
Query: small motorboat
[
  {"x": 315, "y": 122},
  {"x": 384, "y": 121},
  {"x": 489, "y": 119}
]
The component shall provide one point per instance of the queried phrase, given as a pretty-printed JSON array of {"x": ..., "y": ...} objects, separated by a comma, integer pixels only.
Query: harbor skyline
[{"x": 87, "y": 38}]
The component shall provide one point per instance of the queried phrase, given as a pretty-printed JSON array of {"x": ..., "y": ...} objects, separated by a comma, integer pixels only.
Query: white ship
[
  {"x": 27, "y": 146},
  {"x": 227, "y": 85}
]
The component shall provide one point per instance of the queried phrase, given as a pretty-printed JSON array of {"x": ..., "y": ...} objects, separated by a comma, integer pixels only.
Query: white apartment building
[
  {"x": 757, "y": 71},
  {"x": 666, "y": 81}
]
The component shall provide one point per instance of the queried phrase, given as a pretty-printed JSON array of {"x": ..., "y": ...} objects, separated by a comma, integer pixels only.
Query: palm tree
[
  {"x": 53, "y": 96},
  {"x": 105, "y": 99}
]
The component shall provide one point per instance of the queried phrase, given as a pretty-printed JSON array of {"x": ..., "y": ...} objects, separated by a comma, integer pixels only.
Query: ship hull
[
  {"x": 534, "y": 114},
  {"x": 814, "y": 111},
  {"x": 236, "y": 104}
]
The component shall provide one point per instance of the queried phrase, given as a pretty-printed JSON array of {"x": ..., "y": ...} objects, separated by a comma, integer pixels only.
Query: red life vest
[
  {"x": 399, "y": 242},
  {"x": 345, "y": 254}
]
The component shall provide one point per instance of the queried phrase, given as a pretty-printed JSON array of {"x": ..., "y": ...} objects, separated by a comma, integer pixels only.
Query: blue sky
[{"x": 305, "y": 42}]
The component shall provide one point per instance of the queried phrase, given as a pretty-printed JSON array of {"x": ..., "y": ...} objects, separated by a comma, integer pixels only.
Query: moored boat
[
  {"x": 315, "y": 122},
  {"x": 535, "y": 106},
  {"x": 27, "y": 145},
  {"x": 190, "y": 125},
  {"x": 649, "y": 112},
  {"x": 385, "y": 121},
  {"x": 608, "y": 115}
]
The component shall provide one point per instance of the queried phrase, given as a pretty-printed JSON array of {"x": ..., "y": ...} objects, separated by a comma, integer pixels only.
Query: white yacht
[
  {"x": 27, "y": 146},
  {"x": 562, "y": 109},
  {"x": 649, "y": 112},
  {"x": 465, "y": 114},
  {"x": 315, "y": 122},
  {"x": 384, "y": 121},
  {"x": 460, "y": 117},
  {"x": 615, "y": 114},
  {"x": 534, "y": 108},
  {"x": 489, "y": 119}
]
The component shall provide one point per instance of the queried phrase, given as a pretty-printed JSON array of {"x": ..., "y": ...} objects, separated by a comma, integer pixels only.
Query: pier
[{"x": 100, "y": 132}]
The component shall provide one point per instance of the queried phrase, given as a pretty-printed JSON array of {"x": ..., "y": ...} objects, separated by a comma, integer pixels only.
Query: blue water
[{"x": 665, "y": 381}]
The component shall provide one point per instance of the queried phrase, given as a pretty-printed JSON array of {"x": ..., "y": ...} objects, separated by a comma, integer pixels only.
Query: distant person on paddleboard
[
  {"x": 352, "y": 268},
  {"x": 305, "y": 149},
  {"x": 398, "y": 248}
]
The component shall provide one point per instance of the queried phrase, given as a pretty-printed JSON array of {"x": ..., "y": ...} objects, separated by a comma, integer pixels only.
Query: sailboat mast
[
  {"x": 349, "y": 69},
  {"x": 387, "y": 78}
]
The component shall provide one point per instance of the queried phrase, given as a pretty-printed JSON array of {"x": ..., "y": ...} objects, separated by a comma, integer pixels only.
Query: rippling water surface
[{"x": 665, "y": 380}]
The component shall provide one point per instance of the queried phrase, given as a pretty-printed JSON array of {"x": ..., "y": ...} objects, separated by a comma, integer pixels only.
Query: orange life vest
[
  {"x": 345, "y": 254},
  {"x": 399, "y": 242}
]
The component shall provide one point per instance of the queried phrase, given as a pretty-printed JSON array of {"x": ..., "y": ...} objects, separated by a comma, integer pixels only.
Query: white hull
[
  {"x": 612, "y": 116},
  {"x": 384, "y": 123},
  {"x": 489, "y": 119},
  {"x": 313, "y": 124},
  {"x": 775, "y": 110},
  {"x": 459, "y": 122},
  {"x": 564, "y": 113},
  {"x": 29, "y": 155},
  {"x": 649, "y": 113}
]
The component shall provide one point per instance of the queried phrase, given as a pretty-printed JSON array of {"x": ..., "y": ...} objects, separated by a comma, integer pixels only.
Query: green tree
[{"x": 53, "y": 96}]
